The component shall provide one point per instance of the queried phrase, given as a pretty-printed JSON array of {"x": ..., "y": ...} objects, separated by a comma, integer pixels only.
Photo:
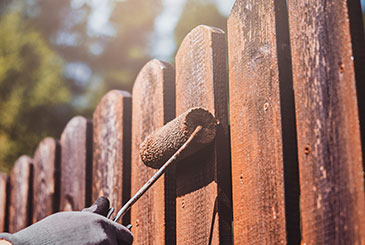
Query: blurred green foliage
[
  {"x": 46, "y": 44},
  {"x": 39, "y": 41},
  {"x": 33, "y": 98},
  {"x": 114, "y": 57}
]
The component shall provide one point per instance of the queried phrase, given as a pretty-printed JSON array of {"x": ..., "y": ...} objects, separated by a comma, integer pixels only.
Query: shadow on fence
[{"x": 288, "y": 168}]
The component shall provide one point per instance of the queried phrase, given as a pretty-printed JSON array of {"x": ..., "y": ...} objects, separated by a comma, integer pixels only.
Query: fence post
[
  {"x": 153, "y": 216},
  {"x": 263, "y": 137},
  {"x": 3, "y": 201},
  {"x": 358, "y": 52},
  {"x": 329, "y": 147},
  {"x": 203, "y": 183},
  {"x": 21, "y": 196},
  {"x": 111, "y": 149},
  {"x": 76, "y": 163},
  {"x": 46, "y": 181}
]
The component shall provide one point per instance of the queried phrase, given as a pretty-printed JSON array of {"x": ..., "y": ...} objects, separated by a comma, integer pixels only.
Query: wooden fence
[{"x": 286, "y": 165}]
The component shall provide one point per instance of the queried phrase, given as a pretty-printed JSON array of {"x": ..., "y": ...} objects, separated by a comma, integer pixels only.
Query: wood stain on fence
[{"x": 295, "y": 87}]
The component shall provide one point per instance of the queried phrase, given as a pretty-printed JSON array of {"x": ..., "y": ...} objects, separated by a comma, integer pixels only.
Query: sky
[
  {"x": 162, "y": 45},
  {"x": 163, "y": 41}
]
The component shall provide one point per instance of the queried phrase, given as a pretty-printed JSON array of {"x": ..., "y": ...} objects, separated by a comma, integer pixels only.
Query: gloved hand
[{"x": 89, "y": 226}]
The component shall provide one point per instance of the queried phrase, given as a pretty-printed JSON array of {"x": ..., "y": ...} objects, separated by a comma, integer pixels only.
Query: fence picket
[
  {"x": 111, "y": 149},
  {"x": 264, "y": 162},
  {"x": 3, "y": 201},
  {"x": 46, "y": 181},
  {"x": 203, "y": 185},
  {"x": 153, "y": 216},
  {"x": 329, "y": 147},
  {"x": 76, "y": 163},
  {"x": 21, "y": 181},
  {"x": 358, "y": 52}
]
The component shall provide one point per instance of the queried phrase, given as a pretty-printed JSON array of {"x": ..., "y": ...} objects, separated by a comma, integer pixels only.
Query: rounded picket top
[
  {"x": 155, "y": 76},
  {"x": 76, "y": 155},
  {"x": 153, "y": 106},
  {"x": 46, "y": 165},
  {"x": 20, "y": 194},
  {"x": 200, "y": 66},
  {"x": 200, "y": 35},
  {"x": 111, "y": 148},
  {"x": 201, "y": 81}
]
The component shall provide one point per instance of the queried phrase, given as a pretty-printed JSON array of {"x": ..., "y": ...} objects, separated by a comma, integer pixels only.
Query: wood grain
[
  {"x": 46, "y": 184},
  {"x": 3, "y": 202},
  {"x": 329, "y": 147},
  {"x": 263, "y": 139},
  {"x": 21, "y": 196},
  {"x": 153, "y": 216},
  {"x": 203, "y": 184},
  {"x": 111, "y": 149},
  {"x": 76, "y": 164},
  {"x": 358, "y": 52}
]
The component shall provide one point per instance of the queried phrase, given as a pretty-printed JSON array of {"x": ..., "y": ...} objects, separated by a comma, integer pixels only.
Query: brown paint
[
  {"x": 111, "y": 149},
  {"x": 263, "y": 142},
  {"x": 46, "y": 184},
  {"x": 203, "y": 204},
  {"x": 20, "y": 194},
  {"x": 331, "y": 176},
  {"x": 153, "y": 216},
  {"x": 75, "y": 165}
]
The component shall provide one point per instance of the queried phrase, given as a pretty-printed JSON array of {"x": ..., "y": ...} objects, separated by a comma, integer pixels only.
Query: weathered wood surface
[
  {"x": 329, "y": 147},
  {"x": 3, "y": 201},
  {"x": 21, "y": 196},
  {"x": 111, "y": 149},
  {"x": 153, "y": 216},
  {"x": 46, "y": 181},
  {"x": 203, "y": 183},
  {"x": 76, "y": 165},
  {"x": 264, "y": 162},
  {"x": 358, "y": 52}
]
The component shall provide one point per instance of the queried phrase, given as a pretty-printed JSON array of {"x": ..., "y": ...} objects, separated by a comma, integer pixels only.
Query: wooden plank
[
  {"x": 76, "y": 164},
  {"x": 3, "y": 202},
  {"x": 329, "y": 147},
  {"x": 358, "y": 52},
  {"x": 153, "y": 216},
  {"x": 46, "y": 183},
  {"x": 21, "y": 181},
  {"x": 263, "y": 137},
  {"x": 203, "y": 184},
  {"x": 111, "y": 149}
]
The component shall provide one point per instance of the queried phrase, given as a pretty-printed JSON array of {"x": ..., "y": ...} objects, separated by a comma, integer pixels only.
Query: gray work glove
[{"x": 89, "y": 226}]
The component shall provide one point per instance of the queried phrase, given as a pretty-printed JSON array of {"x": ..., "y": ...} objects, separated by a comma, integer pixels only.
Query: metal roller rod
[{"x": 156, "y": 176}]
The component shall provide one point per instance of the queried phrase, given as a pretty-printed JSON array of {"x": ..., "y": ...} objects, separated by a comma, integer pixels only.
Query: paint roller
[{"x": 179, "y": 138}]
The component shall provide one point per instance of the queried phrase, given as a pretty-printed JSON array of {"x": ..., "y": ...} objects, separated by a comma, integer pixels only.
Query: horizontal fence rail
[{"x": 286, "y": 164}]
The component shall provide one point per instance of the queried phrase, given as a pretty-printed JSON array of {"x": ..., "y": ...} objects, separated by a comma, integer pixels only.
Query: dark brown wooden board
[
  {"x": 358, "y": 52},
  {"x": 203, "y": 183},
  {"x": 153, "y": 216},
  {"x": 46, "y": 183},
  {"x": 329, "y": 147},
  {"x": 3, "y": 201},
  {"x": 111, "y": 149},
  {"x": 21, "y": 181},
  {"x": 263, "y": 140},
  {"x": 76, "y": 164}
]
